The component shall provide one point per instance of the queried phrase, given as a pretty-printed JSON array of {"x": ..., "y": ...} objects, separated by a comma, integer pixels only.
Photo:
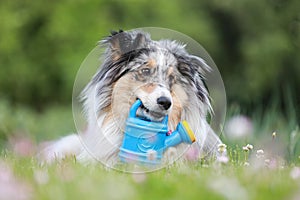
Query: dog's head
[{"x": 167, "y": 79}]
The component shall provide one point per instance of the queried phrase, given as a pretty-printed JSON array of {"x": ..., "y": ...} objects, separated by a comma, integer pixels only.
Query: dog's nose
[{"x": 164, "y": 102}]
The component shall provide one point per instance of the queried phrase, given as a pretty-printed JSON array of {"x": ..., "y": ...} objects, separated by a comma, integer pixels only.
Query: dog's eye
[{"x": 146, "y": 71}]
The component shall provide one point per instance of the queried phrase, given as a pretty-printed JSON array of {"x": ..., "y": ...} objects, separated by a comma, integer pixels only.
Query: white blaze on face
[
  {"x": 161, "y": 64},
  {"x": 155, "y": 91},
  {"x": 150, "y": 92}
]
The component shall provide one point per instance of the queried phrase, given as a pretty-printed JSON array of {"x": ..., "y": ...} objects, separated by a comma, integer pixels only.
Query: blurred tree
[
  {"x": 254, "y": 43},
  {"x": 269, "y": 50}
]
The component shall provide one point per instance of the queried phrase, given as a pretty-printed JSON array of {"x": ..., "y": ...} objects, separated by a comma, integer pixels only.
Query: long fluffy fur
[{"x": 110, "y": 93}]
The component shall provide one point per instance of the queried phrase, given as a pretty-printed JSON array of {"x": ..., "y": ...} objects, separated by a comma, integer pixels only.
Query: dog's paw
[{"x": 58, "y": 150}]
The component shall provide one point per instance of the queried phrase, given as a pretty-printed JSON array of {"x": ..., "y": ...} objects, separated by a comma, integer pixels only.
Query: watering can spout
[{"x": 183, "y": 133}]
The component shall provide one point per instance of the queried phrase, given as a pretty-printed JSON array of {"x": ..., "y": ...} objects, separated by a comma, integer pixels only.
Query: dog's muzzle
[{"x": 164, "y": 102}]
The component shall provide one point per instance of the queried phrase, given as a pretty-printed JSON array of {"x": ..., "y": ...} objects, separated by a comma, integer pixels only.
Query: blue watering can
[{"x": 143, "y": 138}]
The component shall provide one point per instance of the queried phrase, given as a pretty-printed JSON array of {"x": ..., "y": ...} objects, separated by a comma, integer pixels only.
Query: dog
[{"x": 162, "y": 74}]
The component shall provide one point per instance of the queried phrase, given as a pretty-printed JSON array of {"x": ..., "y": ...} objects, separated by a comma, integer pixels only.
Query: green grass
[
  {"x": 70, "y": 180},
  {"x": 275, "y": 176}
]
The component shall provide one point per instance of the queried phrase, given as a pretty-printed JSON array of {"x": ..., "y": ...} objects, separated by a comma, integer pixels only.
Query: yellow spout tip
[{"x": 189, "y": 131}]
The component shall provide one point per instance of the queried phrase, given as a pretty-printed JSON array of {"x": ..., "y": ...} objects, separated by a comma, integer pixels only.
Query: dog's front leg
[{"x": 67, "y": 146}]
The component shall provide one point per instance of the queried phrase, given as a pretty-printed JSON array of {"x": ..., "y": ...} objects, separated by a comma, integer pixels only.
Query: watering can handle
[{"x": 135, "y": 106}]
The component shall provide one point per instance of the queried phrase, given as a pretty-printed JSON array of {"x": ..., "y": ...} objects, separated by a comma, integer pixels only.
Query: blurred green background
[{"x": 255, "y": 45}]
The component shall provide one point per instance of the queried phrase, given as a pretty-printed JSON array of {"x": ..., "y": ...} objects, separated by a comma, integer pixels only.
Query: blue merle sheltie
[{"x": 162, "y": 74}]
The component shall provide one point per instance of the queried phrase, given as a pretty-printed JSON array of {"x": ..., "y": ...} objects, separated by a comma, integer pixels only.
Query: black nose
[{"x": 164, "y": 102}]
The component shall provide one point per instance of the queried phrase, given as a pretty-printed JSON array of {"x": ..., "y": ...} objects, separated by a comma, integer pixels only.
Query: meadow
[
  {"x": 255, "y": 45},
  {"x": 252, "y": 169}
]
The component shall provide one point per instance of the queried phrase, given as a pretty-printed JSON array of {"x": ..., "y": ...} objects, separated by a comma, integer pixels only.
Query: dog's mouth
[{"x": 152, "y": 115}]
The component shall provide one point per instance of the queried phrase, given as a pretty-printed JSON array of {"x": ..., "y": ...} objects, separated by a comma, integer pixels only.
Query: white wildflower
[
  {"x": 248, "y": 147},
  {"x": 245, "y": 149},
  {"x": 222, "y": 148},
  {"x": 260, "y": 153},
  {"x": 267, "y": 161}
]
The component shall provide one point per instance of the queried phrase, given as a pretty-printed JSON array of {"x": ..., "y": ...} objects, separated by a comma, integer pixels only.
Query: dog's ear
[
  {"x": 121, "y": 48},
  {"x": 194, "y": 69},
  {"x": 121, "y": 43}
]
